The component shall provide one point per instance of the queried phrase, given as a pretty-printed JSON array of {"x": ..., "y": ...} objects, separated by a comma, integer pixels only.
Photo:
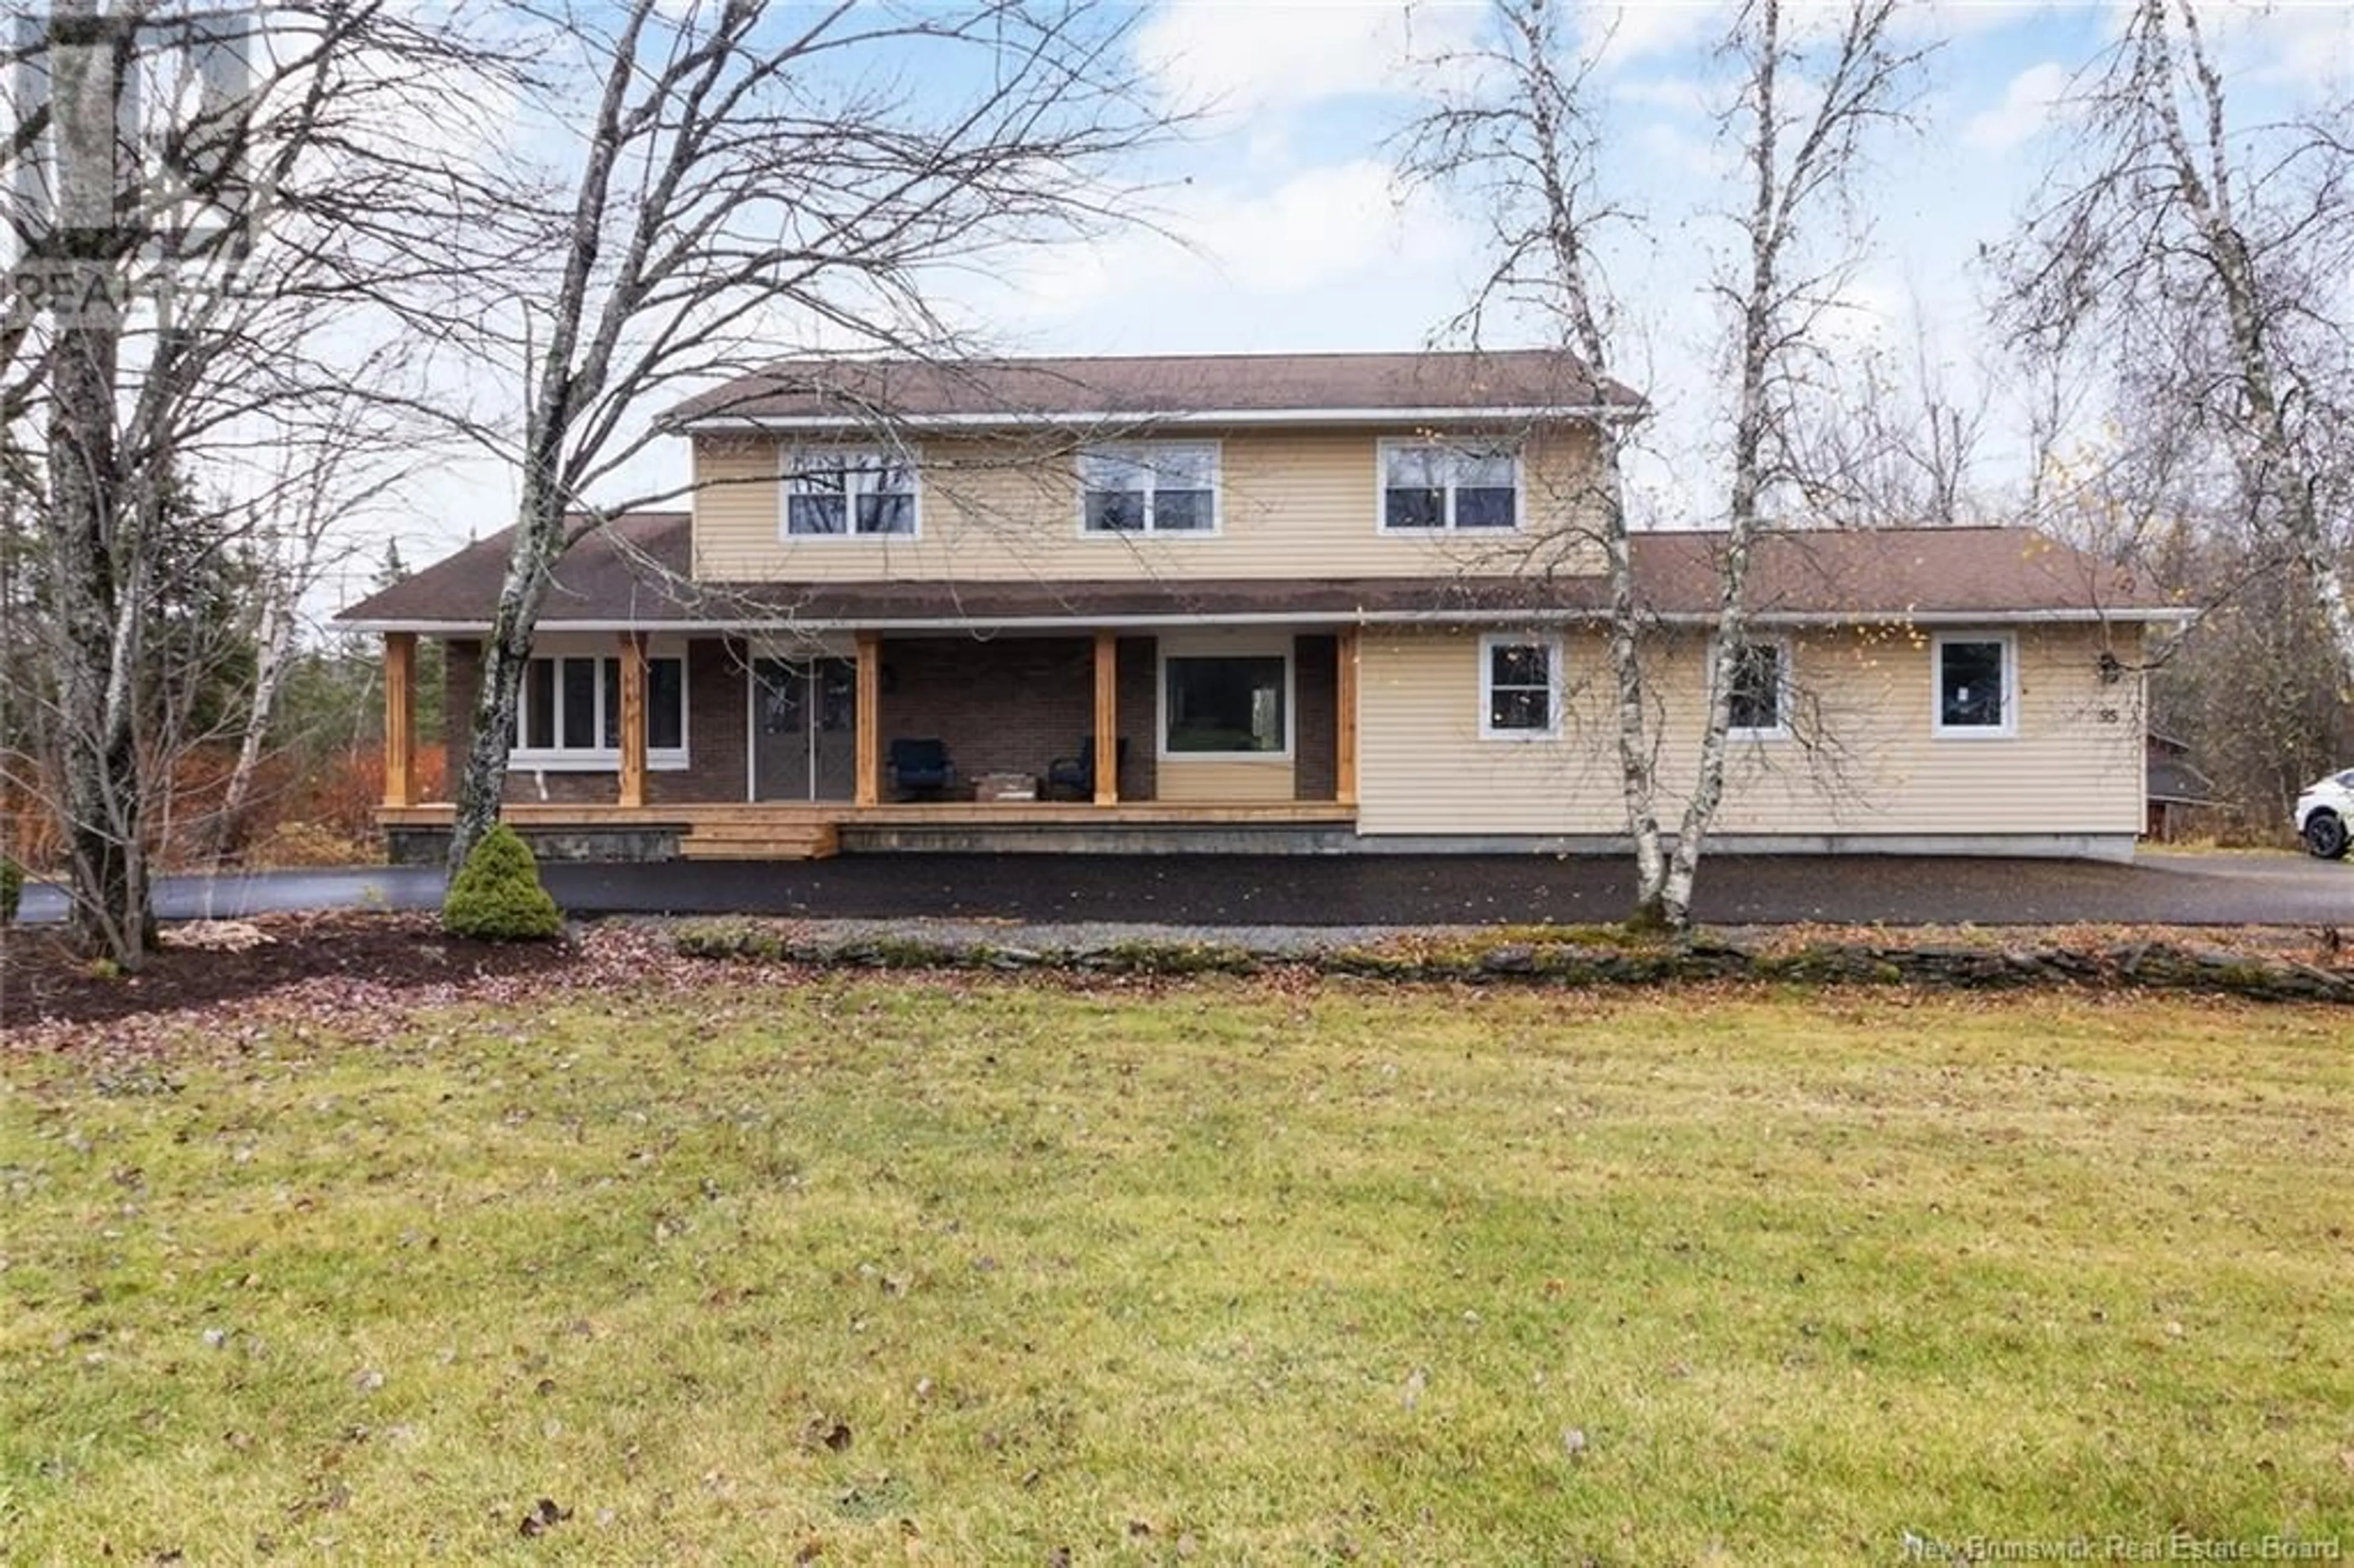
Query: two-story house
[{"x": 1316, "y": 601}]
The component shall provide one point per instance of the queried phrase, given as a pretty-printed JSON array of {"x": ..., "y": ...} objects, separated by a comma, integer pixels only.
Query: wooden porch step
[{"x": 760, "y": 841}]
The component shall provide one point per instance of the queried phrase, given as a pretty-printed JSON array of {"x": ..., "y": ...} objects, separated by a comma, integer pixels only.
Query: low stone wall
[
  {"x": 1111, "y": 838},
  {"x": 2122, "y": 966},
  {"x": 430, "y": 846}
]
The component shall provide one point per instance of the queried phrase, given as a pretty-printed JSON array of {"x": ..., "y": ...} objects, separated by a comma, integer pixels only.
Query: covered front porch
[{"x": 749, "y": 745}]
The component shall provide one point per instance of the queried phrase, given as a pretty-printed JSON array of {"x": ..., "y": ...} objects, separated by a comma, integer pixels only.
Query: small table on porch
[{"x": 1006, "y": 786}]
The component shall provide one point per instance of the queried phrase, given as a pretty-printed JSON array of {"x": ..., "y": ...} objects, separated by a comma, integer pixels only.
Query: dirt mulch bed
[
  {"x": 41, "y": 980},
  {"x": 364, "y": 975}
]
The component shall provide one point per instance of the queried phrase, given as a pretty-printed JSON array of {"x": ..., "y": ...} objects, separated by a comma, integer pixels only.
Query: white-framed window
[
  {"x": 1975, "y": 681},
  {"x": 849, "y": 493},
  {"x": 1520, "y": 686},
  {"x": 1226, "y": 704},
  {"x": 1149, "y": 487},
  {"x": 1431, "y": 487},
  {"x": 1758, "y": 708},
  {"x": 568, "y": 714}
]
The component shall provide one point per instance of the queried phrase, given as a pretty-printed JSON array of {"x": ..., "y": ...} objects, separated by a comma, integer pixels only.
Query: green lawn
[{"x": 883, "y": 1270}]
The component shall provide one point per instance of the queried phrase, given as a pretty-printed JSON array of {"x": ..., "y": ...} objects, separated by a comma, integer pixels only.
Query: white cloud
[
  {"x": 1617, "y": 35},
  {"x": 2029, "y": 105},
  {"x": 1327, "y": 224},
  {"x": 2300, "y": 45},
  {"x": 1241, "y": 59},
  {"x": 1665, "y": 146},
  {"x": 1678, "y": 94},
  {"x": 1327, "y": 258},
  {"x": 1868, "y": 311},
  {"x": 1961, "y": 18},
  {"x": 1320, "y": 227}
]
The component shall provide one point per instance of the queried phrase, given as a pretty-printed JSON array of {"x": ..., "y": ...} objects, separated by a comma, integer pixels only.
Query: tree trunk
[
  {"x": 98, "y": 587},
  {"x": 506, "y": 654},
  {"x": 1751, "y": 418},
  {"x": 1638, "y": 765},
  {"x": 564, "y": 378},
  {"x": 276, "y": 641},
  {"x": 539, "y": 540}
]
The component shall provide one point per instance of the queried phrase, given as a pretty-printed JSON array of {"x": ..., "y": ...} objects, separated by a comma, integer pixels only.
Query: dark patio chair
[
  {"x": 921, "y": 766},
  {"x": 1076, "y": 775}
]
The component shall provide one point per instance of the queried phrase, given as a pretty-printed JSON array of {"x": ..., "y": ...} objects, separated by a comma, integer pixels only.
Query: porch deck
[{"x": 773, "y": 830}]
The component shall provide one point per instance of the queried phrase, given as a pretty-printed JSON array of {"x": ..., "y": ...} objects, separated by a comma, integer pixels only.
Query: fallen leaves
[
  {"x": 216, "y": 936},
  {"x": 364, "y": 978},
  {"x": 541, "y": 1516},
  {"x": 830, "y": 1432}
]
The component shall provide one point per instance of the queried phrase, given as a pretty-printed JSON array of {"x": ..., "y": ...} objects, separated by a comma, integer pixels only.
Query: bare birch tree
[
  {"x": 746, "y": 179},
  {"x": 329, "y": 478},
  {"x": 201, "y": 204},
  {"x": 1524, "y": 141},
  {"x": 2204, "y": 255}
]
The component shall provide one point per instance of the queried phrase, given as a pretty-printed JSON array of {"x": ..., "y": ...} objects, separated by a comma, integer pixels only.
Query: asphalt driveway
[{"x": 1353, "y": 890}]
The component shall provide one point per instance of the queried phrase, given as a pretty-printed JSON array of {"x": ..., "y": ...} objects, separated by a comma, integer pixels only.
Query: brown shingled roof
[
  {"x": 1252, "y": 386},
  {"x": 630, "y": 569},
  {"x": 1892, "y": 572},
  {"x": 635, "y": 574}
]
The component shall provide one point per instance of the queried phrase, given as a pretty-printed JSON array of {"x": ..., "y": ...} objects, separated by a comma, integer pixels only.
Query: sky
[
  {"x": 1279, "y": 226},
  {"x": 1303, "y": 239}
]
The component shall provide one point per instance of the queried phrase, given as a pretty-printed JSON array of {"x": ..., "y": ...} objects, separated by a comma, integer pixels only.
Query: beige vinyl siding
[
  {"x": 1290, "y": 504},
  {"x": 2074, "y": 766},
  {"x": 1225, "y": 782}
]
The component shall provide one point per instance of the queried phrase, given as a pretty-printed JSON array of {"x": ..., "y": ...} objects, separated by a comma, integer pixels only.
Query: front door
[{"x": 804, "y": 729}]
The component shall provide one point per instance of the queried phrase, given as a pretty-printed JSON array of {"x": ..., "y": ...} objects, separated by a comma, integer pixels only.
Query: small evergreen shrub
[
  {"x": 11, "y": 889},
  {"x": 496, "y": 895}
]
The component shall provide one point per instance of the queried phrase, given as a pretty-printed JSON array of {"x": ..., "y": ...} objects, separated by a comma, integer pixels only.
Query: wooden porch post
[
  {"x": 1106, "y": 719},
  {"x": 869, "y": 720},
  {"x": 633, "y": 719},
  {"x": 399, "y": 719},
  {"x": 1344, "y": 727}
]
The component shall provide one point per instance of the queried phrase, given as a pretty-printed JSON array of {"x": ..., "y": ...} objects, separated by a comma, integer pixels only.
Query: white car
[{"x": 2324, "y": 813}]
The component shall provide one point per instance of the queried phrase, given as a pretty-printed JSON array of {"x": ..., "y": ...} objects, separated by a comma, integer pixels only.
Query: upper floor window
[
  {"x": 1431, "y": 485},
  {"x": 1759, "y": 706},
  {"x": 845, "y": 492},
  {"x": 1978, "y": 684},
  {"x": 1160, "y": 487},
  {"x": 569, "y": 710},
  {"x": 1519, "y": 688}
]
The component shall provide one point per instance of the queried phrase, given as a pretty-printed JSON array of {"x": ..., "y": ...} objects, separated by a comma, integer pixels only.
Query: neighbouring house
[
  {"x": 2182, "y": 802},
  {"x": 1322, "y": 601}
]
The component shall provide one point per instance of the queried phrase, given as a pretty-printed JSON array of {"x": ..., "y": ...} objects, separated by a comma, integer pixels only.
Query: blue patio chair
[
  {"x": 1076, "y": 775},
  {"x": 921, "y": 766}
]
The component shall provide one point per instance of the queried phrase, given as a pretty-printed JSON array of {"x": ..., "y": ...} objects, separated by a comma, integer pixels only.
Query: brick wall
[
  {"x": 1002, "y": 705},
  {"x": 1315, "y": 732},
  {"x": 716, "y": 721},
  {"x": 463, "y": 677},
  {"x": 1140, "y": 712}
]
